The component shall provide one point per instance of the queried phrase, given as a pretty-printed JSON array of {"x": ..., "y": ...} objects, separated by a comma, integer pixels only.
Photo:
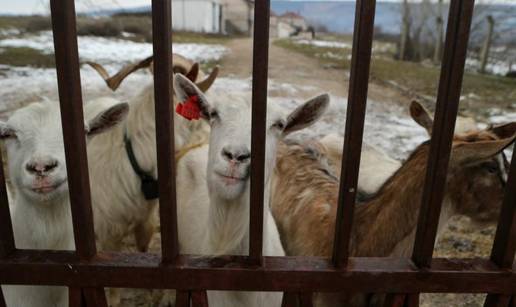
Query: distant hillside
[{"x": 339, "y": 16}]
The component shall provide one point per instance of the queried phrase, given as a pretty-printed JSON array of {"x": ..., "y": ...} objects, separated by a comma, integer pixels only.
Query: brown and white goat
[{"x": 304, "y": 199}]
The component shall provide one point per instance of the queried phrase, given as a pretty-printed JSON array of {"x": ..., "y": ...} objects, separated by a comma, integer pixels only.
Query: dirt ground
[
  {"x": 290, "y": 67},
  {"x": 462, "y": 239}
]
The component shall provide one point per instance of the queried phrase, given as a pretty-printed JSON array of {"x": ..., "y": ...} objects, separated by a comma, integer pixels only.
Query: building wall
[
  {"x": 196, "y": 16},
  {"x": 236, "y": 16}
]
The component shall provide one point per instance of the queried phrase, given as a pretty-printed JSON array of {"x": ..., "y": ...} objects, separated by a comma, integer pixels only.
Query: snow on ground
[
  {"x": 377, "y": 46},
  {"x": 387, "y": 127},
  {"x": 114, "y": 51},
  {"x": 328, "y": 44},
  {"x": 495, "y": 67}
]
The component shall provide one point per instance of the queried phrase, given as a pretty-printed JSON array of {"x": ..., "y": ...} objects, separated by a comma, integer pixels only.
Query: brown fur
[{"x": 304, "y": 199}]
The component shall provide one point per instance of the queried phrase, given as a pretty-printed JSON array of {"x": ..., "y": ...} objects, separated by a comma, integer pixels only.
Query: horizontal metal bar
[{"x": 291, "y": 274}]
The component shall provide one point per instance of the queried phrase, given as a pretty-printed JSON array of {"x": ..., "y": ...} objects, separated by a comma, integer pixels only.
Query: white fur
[
  {"x": 41, "y": 209},
  {"x": 213, "y": 208},
  {"x": 118, "y": 204},
  {"x": 375, "y": 165}
]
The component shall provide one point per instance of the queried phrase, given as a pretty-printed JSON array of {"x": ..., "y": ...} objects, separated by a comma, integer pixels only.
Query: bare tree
[
  {"x": 484, "y": 55},
  {"x": 439, "y": 28},
  {"x": 405, "y": 30}
]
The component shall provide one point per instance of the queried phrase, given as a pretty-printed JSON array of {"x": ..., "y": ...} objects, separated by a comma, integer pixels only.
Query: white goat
[
  {"x": 119, "y": 205},
  {"x": 41, "y": 208},
  {"x": 214, "y": 183}
]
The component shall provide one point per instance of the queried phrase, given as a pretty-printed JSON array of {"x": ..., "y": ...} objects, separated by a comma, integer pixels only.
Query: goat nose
[
  {"x": 41, "y": 168},
  {"x": 238, "y": 155}
]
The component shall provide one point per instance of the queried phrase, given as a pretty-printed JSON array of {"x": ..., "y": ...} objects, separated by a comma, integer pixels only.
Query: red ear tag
[{"x": 189, "y": 109}]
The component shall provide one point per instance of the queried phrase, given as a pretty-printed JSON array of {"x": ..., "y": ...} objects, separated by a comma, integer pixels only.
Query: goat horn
[
  {"x": 193, "y": 73},
  {"x": 114, "y": 81},
  {"x": 208, "y": 82}
]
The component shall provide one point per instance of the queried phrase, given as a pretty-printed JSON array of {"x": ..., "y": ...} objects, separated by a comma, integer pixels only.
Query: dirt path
[{"x": 294, "y": 68}]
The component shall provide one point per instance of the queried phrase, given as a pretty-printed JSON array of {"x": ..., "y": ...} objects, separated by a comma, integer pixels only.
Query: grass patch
[
  {"x": 24, "y": 56},
  {"x": 480, "y": 90},
  {"x": 200, "y": 38},
  {"x": 26, "y": 23},
  {"x": 335, "y": 57}
]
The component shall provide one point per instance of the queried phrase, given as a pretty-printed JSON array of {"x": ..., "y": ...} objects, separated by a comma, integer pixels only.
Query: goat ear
[
  {"x": 185, "y": 89},
  {"x": 6, "y": 131},
  {"x": 421, "y": 116},
  {"x": 474, "y": 151},
  {"x": 306, "y": 114},
  {"x": 107, "y": 119},
  {"x": 504, "y": 131}
]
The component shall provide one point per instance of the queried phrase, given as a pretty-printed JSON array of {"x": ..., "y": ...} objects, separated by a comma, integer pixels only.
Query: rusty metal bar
[
  {"x": 7, "y": 245},
  {"x": 259, "y": 117},
  {"x": 394, "y": 300},
  {"x": 450, "y": 85},
  {"x": 182, "y": 298},
  {"x": 72, "y": 120},
  {"x": 412, "y": 300},
  {"x": 504, "y": 246},
  {"x": 2, "y": 299},
  {"x": 162, "y": 42},
  {"x": 199, "y": 298},
  {"x": 357, "y": 101},
  {"x": 290, "y": 299},
  {"x": 75, "y": 297},
  {"x": 70, "y": 98},
  {"x": 95, "y": 297},
  {"x": 370, "y": 275},
  {"x": 306, "y": 299},
  {"x": 498, "y": 300}
]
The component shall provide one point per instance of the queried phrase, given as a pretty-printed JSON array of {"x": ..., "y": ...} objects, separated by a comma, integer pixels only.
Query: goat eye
[
  {"x": 214, "y": 114},
  {"x": 279, "y": 125},
  {"x": 491, "y": 167}
]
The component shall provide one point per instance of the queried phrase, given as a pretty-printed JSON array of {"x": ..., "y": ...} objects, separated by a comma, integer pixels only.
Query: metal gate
[{"x": 86, "y": 272}]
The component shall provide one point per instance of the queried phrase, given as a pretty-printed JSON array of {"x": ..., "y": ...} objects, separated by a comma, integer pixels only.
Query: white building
[{"x": 204, "y": 16}]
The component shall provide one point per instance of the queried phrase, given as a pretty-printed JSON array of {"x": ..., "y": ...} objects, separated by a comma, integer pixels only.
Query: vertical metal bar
[
  {"x": 357, "y": 101},
  {"x": 182, "y": 298},
  {"x": 394, "y": 300},
  {"x": 162, "y": 42},
  {"x": 2, "y": 299},
  {"x": 412, "y": 300},
  {"x": 260, "y": 72},
  {"x": 75, "y": 298},
  {"x": 6, "y": 227},
  {"x": 306, "y": 299},
  {"x": 289, "y": 299},
  {"x": 450, "y": 85},
  {"x": 497, "y": 300},
  {"x": 95, "y": 297},
  {"x": 72, "y": 120},
  {"x": 504, "y": 246},
  {"x": 70, "y": 98},
  {"x": 199, "y": 298}
]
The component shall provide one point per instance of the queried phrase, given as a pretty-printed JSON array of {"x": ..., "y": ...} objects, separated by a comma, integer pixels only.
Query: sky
[{"x": 41, "y": 6}]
